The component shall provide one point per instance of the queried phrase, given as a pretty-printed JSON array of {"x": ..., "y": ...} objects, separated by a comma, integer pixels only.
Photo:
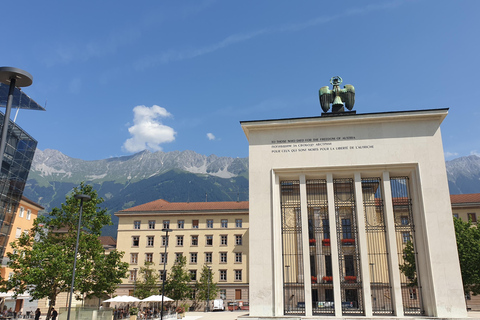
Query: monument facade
[{"x": 353, "y": 214}]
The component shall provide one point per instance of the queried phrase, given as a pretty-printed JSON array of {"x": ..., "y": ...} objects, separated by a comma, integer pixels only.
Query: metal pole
[
  {"x": 81, "y": 197},
  {"x": 6, "y": 119},
  {"x": 164, "y": 265},
  {"x": 135, "y": 282}
]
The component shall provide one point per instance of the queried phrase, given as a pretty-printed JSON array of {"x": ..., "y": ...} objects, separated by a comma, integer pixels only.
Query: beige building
[
  {"x": 466, "y": 206},
  {"x": 26, "y": 214},
  {"x": 214, "y": 234},
  {"x": 336, "y": 202}
]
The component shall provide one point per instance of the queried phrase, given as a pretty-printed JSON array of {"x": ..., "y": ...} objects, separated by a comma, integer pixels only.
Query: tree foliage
[
  {"x": 206, "y": 288},
  {"x": 468, "y": 245},
  {"x": 148, "y": 285},
  {"x": 408, "y": 267},
  {"x": 42, "y": 259},
  {"x": 177, "y": 284}
]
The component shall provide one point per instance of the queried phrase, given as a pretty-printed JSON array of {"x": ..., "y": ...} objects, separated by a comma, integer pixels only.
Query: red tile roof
[
  {"x": 107, "y": 241},
  {"x": 163, "y": 205},
  {"x": 465, "y": 198}
]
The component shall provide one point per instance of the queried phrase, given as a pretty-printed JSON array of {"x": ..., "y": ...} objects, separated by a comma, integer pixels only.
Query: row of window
[
  {"x": 181, "y": 224},
  {"x": 193, "y": 240},
  {"x": 193, "y": 275},
  {"x": 22, "y": 213},
  {"x": 472, "y": 217},
  {"x": 193, "y": 257}
]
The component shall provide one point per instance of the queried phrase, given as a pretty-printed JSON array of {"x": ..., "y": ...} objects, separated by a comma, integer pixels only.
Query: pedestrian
[
  {"x": 54, "y": 314},
  {"x": 37, "y": 314}
]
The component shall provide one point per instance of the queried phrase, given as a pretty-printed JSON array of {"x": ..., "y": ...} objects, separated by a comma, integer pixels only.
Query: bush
[{"x": 133, "y": 311}]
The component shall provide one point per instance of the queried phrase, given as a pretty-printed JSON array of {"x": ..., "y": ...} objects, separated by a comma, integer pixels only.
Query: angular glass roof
[{"x": 20, "y": 99}]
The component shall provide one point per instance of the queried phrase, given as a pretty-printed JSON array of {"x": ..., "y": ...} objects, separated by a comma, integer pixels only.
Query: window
[
  {"x": 328, "y": 266},
  {"x": 347, "y": 228},
  {"x": 471, "y": 217},
  {"x": 178, "y": 256},
  {"x": 135, "y": 241},
  {"x": 22, "y": 210},
  {"x": 223, "y": 240},
  {"x": 238, "y": 257},
  {"x": 180, "y": 241},
  {"x": 165, "y": 241},
  {"x": 133, "y": 275},
  {"x": 223, "y": 294},
  {"x": 413, "y": 294},
  {"x": 148, "y": 257},
  {"x": 195, "y": 224},
  {"x": 193, "y": 275},
  {"x": 404, "y": 220},
  {"x": 349, "y": 265},
  {"x": 166, "y": 224},
  {"x": 151, "y": 224},
  {"x": 209, "y": 240},
  {"x": 163, "y": 258},
  {"x": 326, "y": 228},
  {"x": 193, "y": 257},
  {"x": 405, "y": 237},
  {"x": 18, "y": 233},
  {"x": 223, "y": 275},
  {"x": 224, "y": 223},
  {"x": 162, "y": 275},
  {"x": 150, "y": 241},
  {"x": 238, "y": 223},
  {"x": 136, "y": 224},
  {"x": 208, "y": 257},
  {"x": 180, "y": 224},
  {"x": 238, "y": 275},
  {"x": 210, "y": 224},
  {"x": 223, "y": 257},
  {"x": 29, "y": 215},
  {"x": 133, "y": 258},
  {"x": 238, "y": 239},
  {"x": 194, "y": 241},
  {"x": 455, "y": 215}
]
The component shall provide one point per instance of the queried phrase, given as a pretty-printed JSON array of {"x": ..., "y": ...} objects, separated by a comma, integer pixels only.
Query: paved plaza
[{"x": 218, "y": 315}]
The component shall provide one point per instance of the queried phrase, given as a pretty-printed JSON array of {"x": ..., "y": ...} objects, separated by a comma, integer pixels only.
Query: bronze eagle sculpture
[{"x": 337, "y": 96}]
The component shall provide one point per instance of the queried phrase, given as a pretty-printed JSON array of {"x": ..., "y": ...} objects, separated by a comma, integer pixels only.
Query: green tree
[
  {"x": 177, "y": 284},
  {"x": 149, "y": 284},
  {"x": 206, "y": 288},
  {"x": 468, "y": 245},
  {"x": 408, "y": 267},
  {"x": 42, "y": 259}
]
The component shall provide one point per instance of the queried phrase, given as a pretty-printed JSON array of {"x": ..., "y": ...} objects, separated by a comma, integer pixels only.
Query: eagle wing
[
  {"x": 326, "y": 98},
  {"x": 348, "y": 96}
]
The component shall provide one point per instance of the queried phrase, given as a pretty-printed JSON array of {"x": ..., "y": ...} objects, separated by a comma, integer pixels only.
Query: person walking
[
  {"x": 37, "y": 314},
  {"x": 54, "y": 314}
]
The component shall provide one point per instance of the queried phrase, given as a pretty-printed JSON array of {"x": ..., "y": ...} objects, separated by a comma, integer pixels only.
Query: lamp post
[
  {"x": 82, "y": 197},
  {"x": 208, "y": 288},
  {"x": 166, "y": 230},
  {"x": 15, "y": 78}
]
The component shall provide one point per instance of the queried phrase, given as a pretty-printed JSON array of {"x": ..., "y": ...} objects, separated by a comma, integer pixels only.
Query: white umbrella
[
  {"x": 127, "y": 299},
  {"x": 156, "y": 298}
]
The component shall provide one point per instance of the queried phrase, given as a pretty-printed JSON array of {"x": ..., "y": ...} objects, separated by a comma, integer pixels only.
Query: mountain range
[{"x": 175, "y": 176}]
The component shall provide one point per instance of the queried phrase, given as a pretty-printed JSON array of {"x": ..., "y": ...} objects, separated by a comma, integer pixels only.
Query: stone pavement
[
  {"x": 228, "y": 315},
  {"x": 217, "y": 315}
]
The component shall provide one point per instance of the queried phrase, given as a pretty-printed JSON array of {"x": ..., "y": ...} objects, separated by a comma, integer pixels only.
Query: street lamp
[
  {"x": 166, "y": 230},
  {"x": 82, "y": 197},
  {"x": 208, "y": 288}
]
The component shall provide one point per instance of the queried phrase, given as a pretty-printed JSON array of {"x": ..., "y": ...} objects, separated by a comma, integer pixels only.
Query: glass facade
[{"x": 19, "y": 152}]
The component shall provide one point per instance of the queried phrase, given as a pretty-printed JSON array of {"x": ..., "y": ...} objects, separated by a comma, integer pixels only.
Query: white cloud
[
  {"x": 147, "y": 131},
  {"x": 210, "y": 136},
  {"x": 474, "y": 153},
  {"x": 450, "y": 154}
]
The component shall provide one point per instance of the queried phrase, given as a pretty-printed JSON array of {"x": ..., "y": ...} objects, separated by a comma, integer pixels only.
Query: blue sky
[{"x": 121, "y": 76}]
